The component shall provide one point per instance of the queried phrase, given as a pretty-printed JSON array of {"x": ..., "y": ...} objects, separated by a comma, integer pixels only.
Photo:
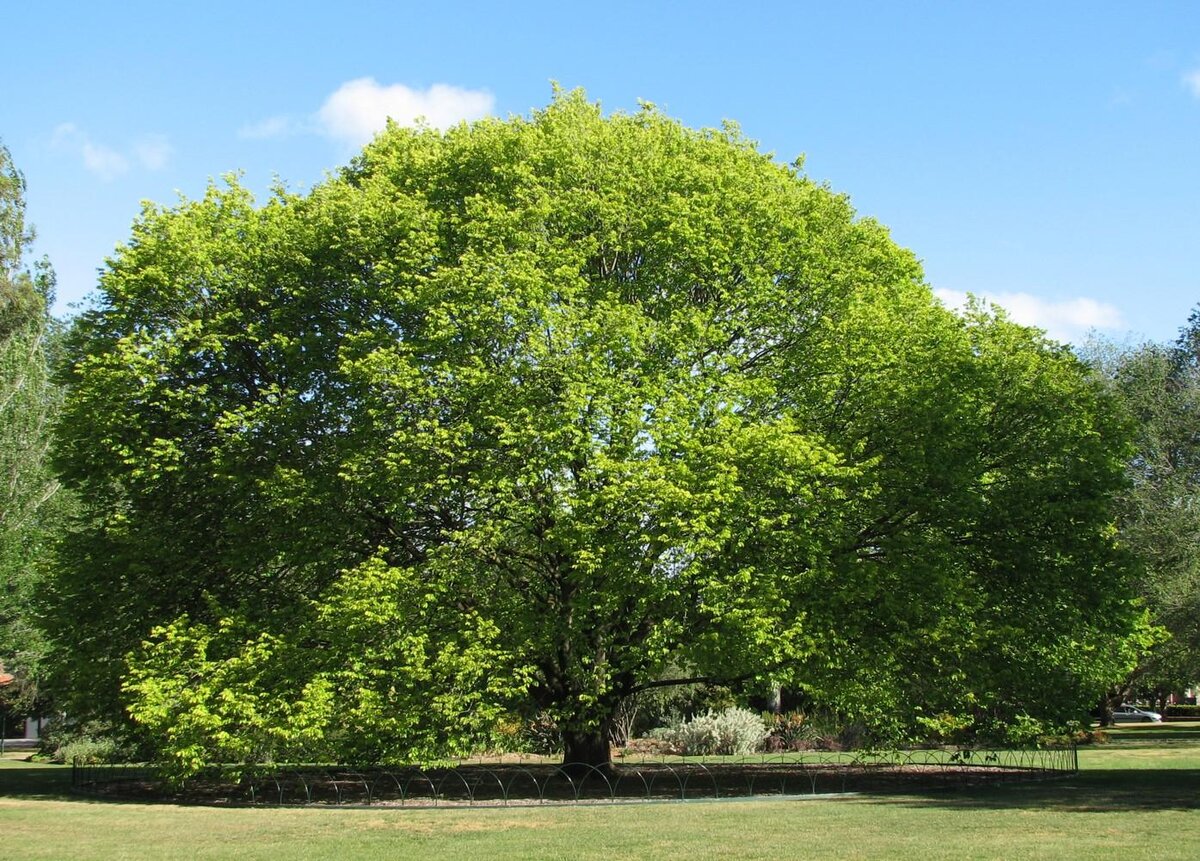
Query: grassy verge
[{"x": 1138, "y": 795}]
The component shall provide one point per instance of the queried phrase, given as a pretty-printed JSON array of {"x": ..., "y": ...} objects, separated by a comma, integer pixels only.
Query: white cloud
[
  {"x": 151, "y": 152},
  {"x": 1064, "y": 320},
  {"x": 359, "y": 109},
  {"x": 1191, "y": 80}
]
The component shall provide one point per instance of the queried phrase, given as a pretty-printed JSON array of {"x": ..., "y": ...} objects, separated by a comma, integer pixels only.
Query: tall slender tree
[{"x": 28, "y": 400}]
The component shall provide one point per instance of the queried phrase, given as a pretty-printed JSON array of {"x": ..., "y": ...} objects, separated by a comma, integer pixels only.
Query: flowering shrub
[{"x": 732, "y": 731}]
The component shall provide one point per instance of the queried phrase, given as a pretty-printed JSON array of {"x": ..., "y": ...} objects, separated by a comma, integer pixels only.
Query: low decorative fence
[{"x": 524, "y": 781}]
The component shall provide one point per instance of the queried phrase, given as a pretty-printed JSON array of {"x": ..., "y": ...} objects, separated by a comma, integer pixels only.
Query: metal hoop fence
[{"x": 531, "y": 781}]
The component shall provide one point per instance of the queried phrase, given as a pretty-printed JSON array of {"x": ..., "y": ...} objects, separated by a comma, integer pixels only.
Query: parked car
[{"x": 1133, "y": 714}]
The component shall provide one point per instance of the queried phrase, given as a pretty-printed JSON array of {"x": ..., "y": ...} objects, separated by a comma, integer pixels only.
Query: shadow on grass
[
  {"x": 1158, "y": 733},
  {"x": 25, "y": 780},
  {"x": 1091, "y": 791}
]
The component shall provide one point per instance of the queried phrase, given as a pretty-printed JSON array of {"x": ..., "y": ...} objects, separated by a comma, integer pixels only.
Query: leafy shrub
[
  {"x": 789, "y": 731},
  {"x": 1024, "y": 730},
  {"x": 540, "y": 735},
  {"x": 820, "y": 729},
  {"x": 651, "y": 745},
  {"x": 945, "y": 728},
  {"x": 855, "y": 736},
  {"x": 732, "y": 731},
  {"x": 65, "y": 741},
  {"x": 507, "y": 735},
  {"x": 88, "y": 750},
  {"x": 1183, "y": 711}
]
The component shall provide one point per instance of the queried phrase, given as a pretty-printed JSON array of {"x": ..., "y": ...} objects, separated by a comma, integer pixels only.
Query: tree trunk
[
  {"x": 1163, "y": 699},
  {"x": 775, "y": 700},
  {"x": 586, "y": 749}
]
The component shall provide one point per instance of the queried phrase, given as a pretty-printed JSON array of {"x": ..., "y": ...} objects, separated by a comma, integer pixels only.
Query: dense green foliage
[
  {"x": 29, "y": 509},
  {"x": 515, "y": 416}
]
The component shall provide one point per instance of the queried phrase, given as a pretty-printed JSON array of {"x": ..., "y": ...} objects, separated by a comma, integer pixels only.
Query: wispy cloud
[
  {"x": 151, "y": 152},
  {"x": 100, "y": 160},
  {"x": 359, "y": 109},
  {"x": 1066, "y": 320},
  {"x": 1191, "y": 80},
  {"x": 272, "y": 127}
]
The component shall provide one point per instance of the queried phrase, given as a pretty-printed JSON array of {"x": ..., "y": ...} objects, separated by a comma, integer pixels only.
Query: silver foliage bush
[{"x": 731, "y": 731}]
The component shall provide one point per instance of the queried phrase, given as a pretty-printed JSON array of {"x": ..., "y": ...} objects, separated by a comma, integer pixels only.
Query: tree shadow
[
  {"x": 1169, "y": 733},
  {"x": 36, "y": 781},
  {"x": 1091, "y": 791},
  {"x": 53, "y": 783}
]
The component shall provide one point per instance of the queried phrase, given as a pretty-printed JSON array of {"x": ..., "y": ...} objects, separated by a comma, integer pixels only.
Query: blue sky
[{"x": 1043, "y": 154}]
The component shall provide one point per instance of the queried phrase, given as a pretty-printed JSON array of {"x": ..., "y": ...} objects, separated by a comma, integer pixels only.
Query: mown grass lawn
[{"x": 1138, "y": 796}]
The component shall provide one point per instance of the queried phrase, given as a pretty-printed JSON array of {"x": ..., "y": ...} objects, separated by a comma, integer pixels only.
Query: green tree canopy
[{"x": 516, "y": 415}]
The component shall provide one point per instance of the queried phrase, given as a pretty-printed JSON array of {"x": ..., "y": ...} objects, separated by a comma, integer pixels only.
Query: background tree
[
  {"x": 514, "y": 416},
  {"x": 1160, "y": 512},
  {"x": 28, "y": 400}
]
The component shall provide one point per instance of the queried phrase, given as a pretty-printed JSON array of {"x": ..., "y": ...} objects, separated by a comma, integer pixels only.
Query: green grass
[{"x": 1138, "y": 796}]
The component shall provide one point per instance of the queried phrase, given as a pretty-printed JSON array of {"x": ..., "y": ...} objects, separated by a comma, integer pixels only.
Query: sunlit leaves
[{"x": 517, "y": 415}]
